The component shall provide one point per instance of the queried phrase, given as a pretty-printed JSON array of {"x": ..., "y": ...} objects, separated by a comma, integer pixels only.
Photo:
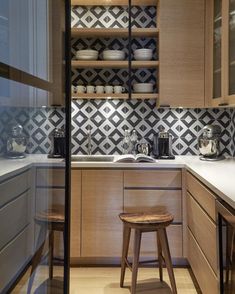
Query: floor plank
[{"x": 105, "y": 280}]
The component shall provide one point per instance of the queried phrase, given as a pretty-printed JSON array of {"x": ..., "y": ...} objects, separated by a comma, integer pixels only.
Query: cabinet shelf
[
  {"x": 122, "y": 96},
  {"x": 113, "y": 2},
  {"x": 113, "y": 64},
  {"x": 112, "y": 32}
]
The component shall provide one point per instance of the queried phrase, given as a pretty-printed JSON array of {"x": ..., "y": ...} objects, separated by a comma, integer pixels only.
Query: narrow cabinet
[
  {"x": 75, "y": 226},
  {"x": 102, "y": 201},
  {"x": 181, "y": 53}
]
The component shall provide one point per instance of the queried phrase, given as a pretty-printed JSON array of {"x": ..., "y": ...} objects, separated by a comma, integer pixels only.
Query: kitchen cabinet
[
  {"x": 153, "y": 191},
  {"x": 16, "y": 213},
  {"x": 220, "y": 65},
  {"x": 102, "y": 201},
  {"x": 181, "y": 51},
  {"x": 99, "y": 195},
  {"x": 75, "y": 228},
  {"x": 121, "y": 71},
  {"x": 202, "y": 235}
]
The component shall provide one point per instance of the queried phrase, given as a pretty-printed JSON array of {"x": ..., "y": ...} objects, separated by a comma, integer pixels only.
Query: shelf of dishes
[
  {"x": 113, "y": 2},
  {"x": 141, "y": 91},
  {"x": 143, "y": 54},
  {"x": 113, "y": 32}
]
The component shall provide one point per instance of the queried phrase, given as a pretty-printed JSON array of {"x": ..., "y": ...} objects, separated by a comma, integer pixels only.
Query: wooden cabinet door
[
  {"x": 75, "y": 227},
  {"x": 102, "y": 201},
  {"x": 181, "y": 53}
]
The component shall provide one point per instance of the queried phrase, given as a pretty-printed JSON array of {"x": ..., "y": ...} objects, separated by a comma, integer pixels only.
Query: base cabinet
[
  {"x": 202, "y": 235},
  {"x": 99, "y": 196},
  {"x": 102, "y": 201}
]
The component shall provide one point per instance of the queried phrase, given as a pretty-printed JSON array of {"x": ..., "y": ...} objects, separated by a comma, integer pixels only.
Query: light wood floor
[{"x": 105, "y": 280}]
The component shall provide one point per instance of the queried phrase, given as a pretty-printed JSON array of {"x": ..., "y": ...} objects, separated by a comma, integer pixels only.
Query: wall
[{"x": 108, "y": 120}]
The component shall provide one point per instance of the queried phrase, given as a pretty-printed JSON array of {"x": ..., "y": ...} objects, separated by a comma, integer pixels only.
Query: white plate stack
[
  {"x": 143, "y": 54},
  {"x": 113, "y": 55},
  {"x": 143, "y": 88},
  {"x": 87, "y": 54}
]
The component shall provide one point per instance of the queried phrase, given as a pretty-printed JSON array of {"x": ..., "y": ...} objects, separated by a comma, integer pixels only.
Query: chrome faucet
[{"x": 89, "y": 145}]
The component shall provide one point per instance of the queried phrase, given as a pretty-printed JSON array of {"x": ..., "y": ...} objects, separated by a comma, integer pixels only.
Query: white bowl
[
  {"x": 143, "y": 57},
  {"x": 143, "y": 87},
  {"x": 143, "y": 50},
  {"x": 88, "y": 51},
  {"x": 113, "y": 55}
]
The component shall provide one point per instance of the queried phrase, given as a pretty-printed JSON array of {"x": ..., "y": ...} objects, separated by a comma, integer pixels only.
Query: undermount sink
[{"x": 92, "y": 158}]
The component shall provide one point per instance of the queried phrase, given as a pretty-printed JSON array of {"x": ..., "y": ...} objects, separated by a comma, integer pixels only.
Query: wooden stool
[
  {"x": 49, "y": 220},
  {"x": 141, "y": 223}
]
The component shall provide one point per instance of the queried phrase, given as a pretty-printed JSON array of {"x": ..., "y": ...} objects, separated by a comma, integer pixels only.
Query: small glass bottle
[
  {"x": 134, "y": 141},
  {"x": 126, "y": 143}
]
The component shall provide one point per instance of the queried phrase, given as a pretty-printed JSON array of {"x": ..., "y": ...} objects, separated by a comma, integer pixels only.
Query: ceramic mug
[
  {"x": 119, "y": 89},
  {"x": 74, "y": 89},
  {"x": 108, "y": 89},
  {"x": 90, "y": 89},
  {"x": 81, "y": 89},
  {"x": 99, "y": 89}
]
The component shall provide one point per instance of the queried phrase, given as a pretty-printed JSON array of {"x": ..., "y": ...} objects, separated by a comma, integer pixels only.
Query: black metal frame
[
  {"x": 129, "y": 50},
  {"x": 68, "y": 144}
]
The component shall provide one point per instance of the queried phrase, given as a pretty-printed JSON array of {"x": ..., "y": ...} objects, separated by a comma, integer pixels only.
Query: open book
[{"x": 135, "y": 158}]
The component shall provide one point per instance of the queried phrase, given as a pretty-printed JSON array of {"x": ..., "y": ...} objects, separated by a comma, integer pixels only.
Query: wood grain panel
[
  {"x": 204, "y": 231},
  {"x": 153, "y": 201},
  {"x": 50, "y": 177},
  {"x": 102, "y": 201},
  {"x": 149, "y": 242},
  {"x": 203, "y": 196},
  {"x": 114, "y": 2},
  {"x": 181, "y": 53},
  {"x": 202, "y": 270},
  {"x": 75, "y": 229},
  {"x": 13, "y": 187},
  {"x": 157, "y": 178}
]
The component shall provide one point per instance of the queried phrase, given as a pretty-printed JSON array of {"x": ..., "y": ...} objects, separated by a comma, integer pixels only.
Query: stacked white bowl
[
  {"x": 87, "y": 54},
  {"x": 143, "y": 88},
  {"x": 143, "y": 54},
  {"x": 113, "y": 55}
]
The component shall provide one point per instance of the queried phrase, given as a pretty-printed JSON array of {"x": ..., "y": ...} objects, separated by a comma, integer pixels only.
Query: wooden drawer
[
  {"x": 155, "y": 178},
  {"x": 202, "y": 270},
  {"x": 149, "y": 242},
  {"x": 203, "y": 196},
  {"x": 203, "y": 229},
  {"x": 15, "y": 186},
  {"x": 53, "y": 177},
  {"x": 154, "y": 200},
  {"x": 14, "y": 217},
  {"x": 13, "y": 257}
]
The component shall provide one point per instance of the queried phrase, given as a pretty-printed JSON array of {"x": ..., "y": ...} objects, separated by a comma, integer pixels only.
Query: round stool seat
[
  {"x": 52, "y": 215},
  {"x": 163, "y": 219}
]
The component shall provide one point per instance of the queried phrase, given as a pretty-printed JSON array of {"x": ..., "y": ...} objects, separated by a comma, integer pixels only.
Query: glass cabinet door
[
  {"x": 217, "y": 44},
  {"x": 231, "y": 90}
]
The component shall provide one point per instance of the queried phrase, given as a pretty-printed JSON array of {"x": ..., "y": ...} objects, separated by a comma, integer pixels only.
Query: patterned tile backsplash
[{"x": 108, "y": 120}]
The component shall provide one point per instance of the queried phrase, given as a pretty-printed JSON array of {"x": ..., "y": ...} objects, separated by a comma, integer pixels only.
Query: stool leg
[
  {"x": 165, "y": 247},
  {"x": 160, "y": 261},
  {"x": 135, "y": 264},
  {"x": 125, "y": 247},
  {"x": 36, "y": 258},
  {"x": 51, "y": 253}
]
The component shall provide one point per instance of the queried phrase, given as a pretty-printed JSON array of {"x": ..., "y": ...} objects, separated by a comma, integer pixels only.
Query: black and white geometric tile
[
  {"x": 108, "y": 120},
  {"x": 113, "y": 16}
]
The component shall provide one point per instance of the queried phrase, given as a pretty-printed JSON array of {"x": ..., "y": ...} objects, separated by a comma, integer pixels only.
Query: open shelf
[
  {"x": 120, "y": 96},
  {"x": 113, "y": 64},
  {"x": 113, "y": 33},
  {"x": 113, "y": 2}
]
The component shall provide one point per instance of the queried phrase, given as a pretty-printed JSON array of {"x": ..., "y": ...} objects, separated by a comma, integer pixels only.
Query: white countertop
[{"x": 219, "y": 176}]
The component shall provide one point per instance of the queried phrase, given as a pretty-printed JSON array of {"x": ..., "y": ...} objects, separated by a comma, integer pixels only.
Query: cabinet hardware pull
[
  {"x": 164, "y": 105},
  {"x": 223, "y": 104}
]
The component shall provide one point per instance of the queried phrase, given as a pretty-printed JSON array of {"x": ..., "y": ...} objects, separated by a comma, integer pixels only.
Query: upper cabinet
[
  {"x": 181, "y": 53},
  {"x": 220, "y": 56},
  {"x": 113, "y": 25}
]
